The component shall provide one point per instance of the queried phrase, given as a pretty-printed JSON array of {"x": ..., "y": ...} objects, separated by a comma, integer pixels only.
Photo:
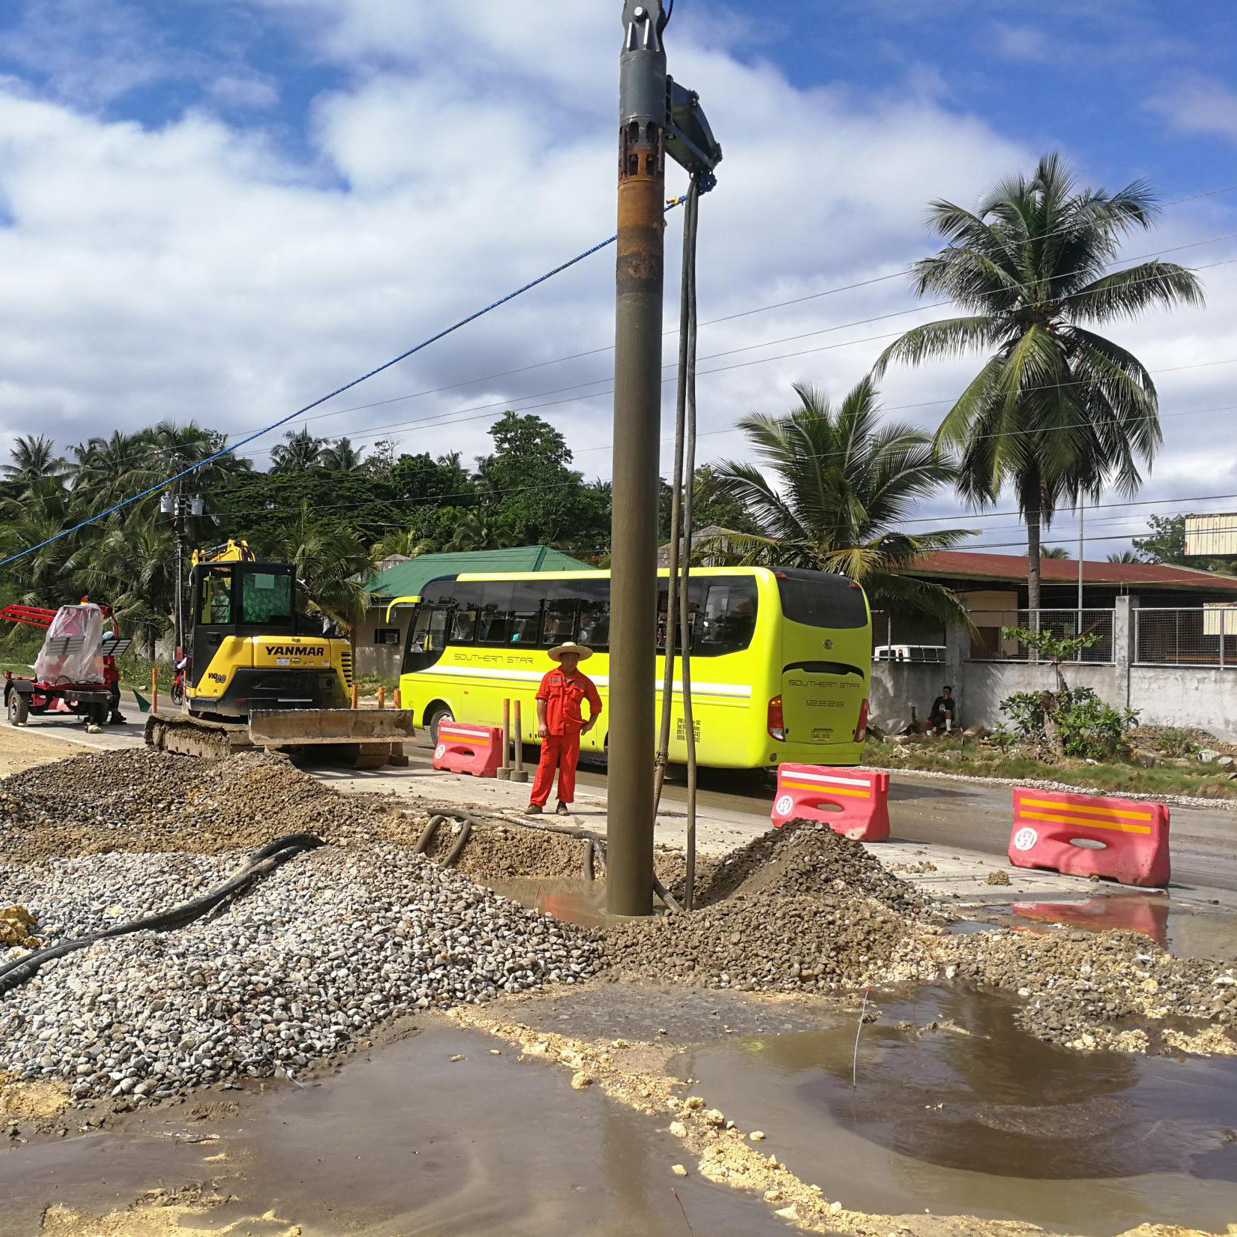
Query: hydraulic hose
[{"x": 262, "y": 862}]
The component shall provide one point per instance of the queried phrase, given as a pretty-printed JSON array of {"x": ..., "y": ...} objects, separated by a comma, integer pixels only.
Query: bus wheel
[
  {"x": 438, "y": 713},
  {"x": 18, "y": 708}
]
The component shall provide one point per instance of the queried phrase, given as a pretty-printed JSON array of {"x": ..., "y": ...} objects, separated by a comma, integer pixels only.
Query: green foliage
[
  {"x": 531, "y": 494},
  {"x": 1089, "y": 728},
  {"x": 1052, "y": 648},
  {"x": 1173, "y": 741},
  {"x": 845, "y": 479}
]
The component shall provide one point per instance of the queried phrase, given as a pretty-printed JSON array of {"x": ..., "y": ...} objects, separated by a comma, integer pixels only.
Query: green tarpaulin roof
[{"x": 407, "y": 579}]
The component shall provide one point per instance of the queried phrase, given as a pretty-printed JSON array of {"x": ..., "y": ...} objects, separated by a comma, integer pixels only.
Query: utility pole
[
  {"x": 656, "y": 117},
  {"x": 180, "y": 506},
  {"x": 637, "y": 434}
]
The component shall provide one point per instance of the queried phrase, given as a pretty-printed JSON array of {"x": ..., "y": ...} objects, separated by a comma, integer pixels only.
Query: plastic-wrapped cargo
[{"x": 72, "y": 648}]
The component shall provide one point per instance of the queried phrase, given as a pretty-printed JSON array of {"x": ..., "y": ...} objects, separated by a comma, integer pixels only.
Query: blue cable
[{"x": 403, "y": 356}]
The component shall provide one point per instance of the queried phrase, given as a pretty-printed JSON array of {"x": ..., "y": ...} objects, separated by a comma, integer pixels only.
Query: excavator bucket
[{"x": 364, "y": 738}]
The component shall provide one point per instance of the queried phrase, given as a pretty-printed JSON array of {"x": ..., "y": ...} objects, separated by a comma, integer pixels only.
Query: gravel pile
[
  {"x": 760, "y": 941},
  {"x": 805, "y": 858},
  {"x": 318, "y": 954},
  {"x": 1087, "y": 989},
  {"x": 497, "y": 852},
  {"x": 798, "y": 908},
  {"x": 142, "y": 799}
]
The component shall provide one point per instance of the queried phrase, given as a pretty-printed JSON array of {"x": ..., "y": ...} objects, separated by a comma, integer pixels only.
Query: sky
[{"x": 220, "y": 210}]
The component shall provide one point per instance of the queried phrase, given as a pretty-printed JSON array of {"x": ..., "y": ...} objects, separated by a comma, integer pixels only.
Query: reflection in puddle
[
  {"x": 571, "y": 900},
  {"x": 1132, "y": 913},
  {"x": 979, "y": 1117}
]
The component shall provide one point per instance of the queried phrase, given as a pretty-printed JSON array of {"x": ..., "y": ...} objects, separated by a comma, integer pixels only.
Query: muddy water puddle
[
  {"x": 402, "y": 1140},
  {"x": 572, "y": 900},
  {"x": 1186, "y": 933},
  {"x": 977, "y": 1117}
]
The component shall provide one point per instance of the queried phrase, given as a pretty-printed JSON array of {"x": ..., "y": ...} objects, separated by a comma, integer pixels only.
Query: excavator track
[{"x": 357, "y": 739}]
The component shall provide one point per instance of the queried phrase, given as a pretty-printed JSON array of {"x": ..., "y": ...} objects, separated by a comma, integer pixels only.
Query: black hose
[
  {"x": 265, "y": 860},
  {"x": 454, "y": 853},
  {"x": 589, "y": 874},
  {"x": 427, "y": 834},
  {"x": 666, "y": 896}
]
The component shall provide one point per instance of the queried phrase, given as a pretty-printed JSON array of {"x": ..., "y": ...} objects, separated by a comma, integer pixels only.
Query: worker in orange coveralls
[{"x": 560, "y": 723}]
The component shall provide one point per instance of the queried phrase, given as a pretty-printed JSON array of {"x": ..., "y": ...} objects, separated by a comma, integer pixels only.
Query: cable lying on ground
[{"x": 260, "y": 863}]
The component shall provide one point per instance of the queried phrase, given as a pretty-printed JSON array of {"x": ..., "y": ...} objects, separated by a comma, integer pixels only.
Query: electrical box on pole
[{"x": 656, "y": 117}]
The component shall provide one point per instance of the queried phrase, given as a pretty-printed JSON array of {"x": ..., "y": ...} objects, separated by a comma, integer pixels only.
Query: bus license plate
[{"x": 821, "y": 736}]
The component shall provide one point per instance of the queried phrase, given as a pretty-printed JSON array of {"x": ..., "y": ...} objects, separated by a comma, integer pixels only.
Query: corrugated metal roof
[
  {"x": 408, "y": 578},
  {"x": 1012, "y": 569}
]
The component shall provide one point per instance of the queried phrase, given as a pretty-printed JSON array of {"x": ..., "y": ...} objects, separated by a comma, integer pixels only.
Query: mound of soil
[
  {"x": 763, "y": 941},
  {"x": 805, "y": 858}
]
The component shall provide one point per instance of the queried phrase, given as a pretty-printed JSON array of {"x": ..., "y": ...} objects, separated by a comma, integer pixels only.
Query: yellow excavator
[{"x": 259, "y": 672}]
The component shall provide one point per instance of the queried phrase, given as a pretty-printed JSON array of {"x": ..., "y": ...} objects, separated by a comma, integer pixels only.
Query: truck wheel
[
  {"x": 18, "y": 708},
  {"x": 438, "y": 713}
]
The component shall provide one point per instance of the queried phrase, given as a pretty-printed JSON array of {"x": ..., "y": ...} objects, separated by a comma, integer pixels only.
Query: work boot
[
  {"x": 533, "y": 809},
  {"x": 562, "y": 809},
  {"x": 116, "y": 719}
]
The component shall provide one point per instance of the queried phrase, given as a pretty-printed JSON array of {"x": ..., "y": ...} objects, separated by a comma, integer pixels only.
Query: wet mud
[
  {"x": 955, "y": 1110},
  {"x": 444, "y": 1132}
]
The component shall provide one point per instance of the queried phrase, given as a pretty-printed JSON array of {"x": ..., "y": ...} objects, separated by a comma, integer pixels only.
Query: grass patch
[{"x": 1115, "y": 777}]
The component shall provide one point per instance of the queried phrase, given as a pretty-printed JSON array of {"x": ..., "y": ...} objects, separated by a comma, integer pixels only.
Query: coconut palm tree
[
  {"x": 330, "y": 563},
  {"x": 33, "y": 459},
  {"x": 1056, "y": 411},
  {"x": 299, "y": 451},
  {"x": 1054, "y": 551},
  {"x": 409, "y": 543},
  {"x": 1126, "y": 556},
  {"x": 473, "y": 531},
  {"x": 844, "y": 481},
  {"x": 341, "y": 456}
]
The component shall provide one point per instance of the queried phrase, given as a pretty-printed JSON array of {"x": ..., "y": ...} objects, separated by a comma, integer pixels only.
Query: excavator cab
[{"x": 239, "y": 599}]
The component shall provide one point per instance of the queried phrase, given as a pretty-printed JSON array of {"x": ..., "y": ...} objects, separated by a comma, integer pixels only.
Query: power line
[{"x": 347, "y": 386}]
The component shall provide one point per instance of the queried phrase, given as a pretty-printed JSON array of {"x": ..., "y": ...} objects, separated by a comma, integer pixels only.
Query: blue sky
[{"x": 219, "y": 209}]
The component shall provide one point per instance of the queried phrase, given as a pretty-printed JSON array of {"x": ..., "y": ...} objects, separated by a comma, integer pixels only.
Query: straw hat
[{"x": 570, "y": 646}]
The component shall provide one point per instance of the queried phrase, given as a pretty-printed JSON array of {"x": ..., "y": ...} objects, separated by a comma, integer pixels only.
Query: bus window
[
  {"x": 559, "y": 622},
  {"x": 426, "y": 637},
  {"x": 495, "y": 613},
  {"x": 526, "y": 603},
  {"x": 728, "y": 620},
  {"x": 466, "y": 600},
  {"x": 463, "y": 626},
  {"x": 818, "y": 599},
  {"x": 695, "y": 598}
]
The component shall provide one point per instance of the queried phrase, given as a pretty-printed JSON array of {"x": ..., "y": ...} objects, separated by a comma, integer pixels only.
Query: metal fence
[
  {"x": 989, "y": 644},
  {"x": 897, "y": 638},
  {"x": 1199, "y": 636}
]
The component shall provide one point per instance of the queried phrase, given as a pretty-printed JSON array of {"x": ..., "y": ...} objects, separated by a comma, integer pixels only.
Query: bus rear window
[{"x": 817, "y": 599}]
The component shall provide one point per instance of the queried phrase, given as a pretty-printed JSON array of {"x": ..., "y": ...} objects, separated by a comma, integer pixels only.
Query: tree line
[{"x": 1056, "y": 414}]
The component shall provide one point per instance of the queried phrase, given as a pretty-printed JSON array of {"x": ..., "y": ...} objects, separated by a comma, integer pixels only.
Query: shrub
[{"x": 1089, "y": 728}]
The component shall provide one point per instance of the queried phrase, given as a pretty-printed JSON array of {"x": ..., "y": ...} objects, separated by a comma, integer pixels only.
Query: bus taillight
[
  {"x": 777, "y": 725},
  {"x": 862, "y": 729}
]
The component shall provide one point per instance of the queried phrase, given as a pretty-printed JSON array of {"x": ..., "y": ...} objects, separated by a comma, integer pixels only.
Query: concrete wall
[
  {"x": 1186, "y": 696},
  {"x": 1163, "y": 695}
]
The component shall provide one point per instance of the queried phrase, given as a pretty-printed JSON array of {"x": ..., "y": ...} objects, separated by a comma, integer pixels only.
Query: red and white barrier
[
  {"x": 851, "y": 803},
  {"x": 1086, "y": 835},
  {"x": 465, "y": 748}
]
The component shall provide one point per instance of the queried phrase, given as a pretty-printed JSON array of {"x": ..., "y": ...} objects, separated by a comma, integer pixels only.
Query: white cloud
[
  {"x": 1200, "y": 105},
  {"x": 194, "y": 270},
  {"x": 244, "y": 92}
]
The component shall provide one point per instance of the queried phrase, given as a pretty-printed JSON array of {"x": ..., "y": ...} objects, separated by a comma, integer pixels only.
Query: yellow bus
[{"x": 780, "y": 658}]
